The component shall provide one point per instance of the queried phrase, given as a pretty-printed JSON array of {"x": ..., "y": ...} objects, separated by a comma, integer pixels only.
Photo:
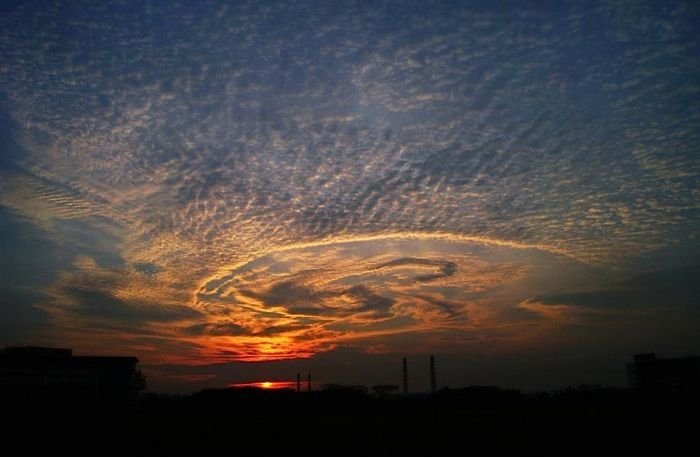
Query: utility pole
[
  {"x": 405, "y": 376},
  {"x": 433, "y": 383}
]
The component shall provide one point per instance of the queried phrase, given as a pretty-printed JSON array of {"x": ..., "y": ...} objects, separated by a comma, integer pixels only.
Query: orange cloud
[{"x": 301, "y": 299}]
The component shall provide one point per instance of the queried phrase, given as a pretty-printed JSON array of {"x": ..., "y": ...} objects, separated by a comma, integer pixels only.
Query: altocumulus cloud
[{"x": 258, "y": 181}]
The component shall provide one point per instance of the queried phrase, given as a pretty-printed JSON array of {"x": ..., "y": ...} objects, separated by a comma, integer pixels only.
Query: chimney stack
[
  {"x": 433, "y": 383},
  {"x": 298, "y": 382},
  {"x": 308, "y": 383},
  {"x": 405, "y": 377}
]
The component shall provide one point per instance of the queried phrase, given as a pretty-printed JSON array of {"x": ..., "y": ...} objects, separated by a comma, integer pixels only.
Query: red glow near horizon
[{"x": 267, "y": 385}]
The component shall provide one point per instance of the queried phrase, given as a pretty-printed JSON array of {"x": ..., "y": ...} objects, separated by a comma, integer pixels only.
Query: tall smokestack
[
  {"x": 298, "y": 382},
  {"x": 405, "y": 377},
  {"x": 308, "y": 383},
  {"x": 433, "y": 384}
]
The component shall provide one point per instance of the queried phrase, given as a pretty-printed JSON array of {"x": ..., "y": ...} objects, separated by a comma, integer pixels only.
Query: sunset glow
[{"x": 267, "y": 385}]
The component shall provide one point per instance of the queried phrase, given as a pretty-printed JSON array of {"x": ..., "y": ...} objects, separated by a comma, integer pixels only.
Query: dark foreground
[{"x": 236, "y": 419}]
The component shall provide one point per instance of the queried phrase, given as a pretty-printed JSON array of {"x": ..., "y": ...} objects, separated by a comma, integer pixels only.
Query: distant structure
[
  {"x": 405, "y": 377},
  {"x": 433, "y": 383},
  {"x": 36, "y": 374},
  {"x": 308, "y": 383},
  {"x": 341, "y": 389},
  {"x": 649, "y": 373},
  {"x": 384, "y": 390},
  {"x": 298, "y": 382}
]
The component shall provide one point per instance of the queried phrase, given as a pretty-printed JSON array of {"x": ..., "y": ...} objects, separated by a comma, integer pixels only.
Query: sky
[{"x": 235, "y": 192}]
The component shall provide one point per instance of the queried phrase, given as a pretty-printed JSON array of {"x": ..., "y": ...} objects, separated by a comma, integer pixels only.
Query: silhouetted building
[
  {"x": 341, "y": 388},
  {"x": 45, "y": 374},
  {"x": 652, "y": 374}
]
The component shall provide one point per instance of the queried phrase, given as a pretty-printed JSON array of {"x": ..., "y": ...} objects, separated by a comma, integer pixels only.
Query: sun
[{"x": 266, "y": 385}]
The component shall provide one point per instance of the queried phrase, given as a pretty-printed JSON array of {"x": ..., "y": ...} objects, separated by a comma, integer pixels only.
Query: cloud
[
  {"x": 321, "y": 295},
  {"x": 215, "y": 329},
  {"x": 676, "y": 288},
  {"x": 446, "y": 268},
  {"x": 90, "y": 303},
  {"x": 20, "y": 319},
  {"x": 147, "y": 268},
  {"x": 451, "y": 309},
  {"x": 296, "y": 297},
  {"x": 371, "y": 302},
  {"x": 113, "y": 300}
]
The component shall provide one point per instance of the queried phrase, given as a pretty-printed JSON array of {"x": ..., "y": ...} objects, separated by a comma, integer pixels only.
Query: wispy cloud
[{"x": 661, "y": 290}]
